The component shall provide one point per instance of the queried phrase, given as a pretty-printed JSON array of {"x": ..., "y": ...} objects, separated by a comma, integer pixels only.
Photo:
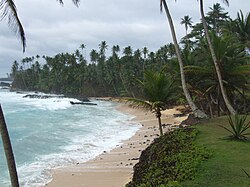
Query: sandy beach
[{"x": 115, "y": 168}]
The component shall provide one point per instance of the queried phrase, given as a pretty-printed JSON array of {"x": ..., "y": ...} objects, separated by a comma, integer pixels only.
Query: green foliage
[
  {"x": 224, "y": 169},
  {"x": 116, "y": 75},
  {"x": 169, "y": 159},
  {"x": 238, "y": 126},
  {"x": 158, "y": 89}
]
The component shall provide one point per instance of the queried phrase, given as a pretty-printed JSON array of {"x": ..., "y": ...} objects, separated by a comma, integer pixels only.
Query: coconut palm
[
  {"x": 10, "y": 12},
  {"x": 234, "y": 68},
  {"x": 196, "y": 111},
  {"x": 216, "y": 16},
  {"x": 8, "y": 151},
  {"x": 215, "y": 61},
  {"x": 241, "y": 27},
  {"x": 83, "y": 46},
  {"x": 187, "y": 22},
  {"x": 158, "y": 90}
]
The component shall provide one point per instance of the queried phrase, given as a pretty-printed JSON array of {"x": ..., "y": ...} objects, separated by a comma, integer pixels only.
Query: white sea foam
[{"x": 51, "y": 133}]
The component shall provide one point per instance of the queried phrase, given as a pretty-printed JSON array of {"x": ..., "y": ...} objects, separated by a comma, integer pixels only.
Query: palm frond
[
  {"x": 10, "y": 11},
  {"x": 240, "y": 70},
  {"x": 226, "y": 2},
  {"x": 138, "y": 103},
  {"x": 245, "y": 173},
  {"x": 197, "y": 70},
  {"x": 161, "y": 2}
]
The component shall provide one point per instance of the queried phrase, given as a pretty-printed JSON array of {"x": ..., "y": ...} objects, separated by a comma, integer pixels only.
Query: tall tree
[
  {"x": 8, "y": 151},
  {"x": 215, "y": 61},
  {"x": 187, "y": 22},
  {"x": 197, "y": 112},
  {"x": 216, "y": 16},
  {"x": 83, "y": 47}
]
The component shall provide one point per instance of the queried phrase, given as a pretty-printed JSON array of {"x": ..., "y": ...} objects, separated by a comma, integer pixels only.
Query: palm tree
[
  {"x": 241, "y": 27},
  {"x": 9, "y": 10},
  {"x": 127, "y": 51},
  {"x": 145, "y": 53},
  {"x": 158, "y": 89},
  {"x": 93, "y": 56},
  {"x": 187, "y": 22},
  {"x": 197, "y": 112},
  {"x": 215, "y": 61},
  {"x": 8, "y": 151},
  {"x": 83, "y": 46},
  {"x": 216, "y": 16}
]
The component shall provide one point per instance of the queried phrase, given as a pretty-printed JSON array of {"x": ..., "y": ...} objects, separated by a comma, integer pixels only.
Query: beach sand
[{"x": 115, "y": 168}]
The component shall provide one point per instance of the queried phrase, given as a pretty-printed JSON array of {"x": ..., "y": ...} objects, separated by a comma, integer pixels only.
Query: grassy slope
[{"x": 229, "y": 157}]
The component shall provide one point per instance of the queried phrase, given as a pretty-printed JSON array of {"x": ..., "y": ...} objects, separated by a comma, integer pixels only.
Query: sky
[{"x": 51, "y": 28}]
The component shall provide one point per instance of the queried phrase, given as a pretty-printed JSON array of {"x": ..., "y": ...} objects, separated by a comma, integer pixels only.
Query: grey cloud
[{"x": 52, "y": 29}]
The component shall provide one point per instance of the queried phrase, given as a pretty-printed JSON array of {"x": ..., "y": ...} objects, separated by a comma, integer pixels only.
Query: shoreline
[{"x": 115, "y": 168}]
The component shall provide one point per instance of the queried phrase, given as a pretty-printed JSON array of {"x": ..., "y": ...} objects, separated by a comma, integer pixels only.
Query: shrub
[
  {"x": 238, "y": 125},
  {"x": 169, "y": 160}
]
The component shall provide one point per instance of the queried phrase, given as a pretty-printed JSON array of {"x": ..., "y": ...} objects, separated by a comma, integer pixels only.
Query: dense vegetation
[
  {"x": 215, "y": 56},
  {"x": 177, "y": 158},
  {"x": 170, "y": 159},
  {"x": 116, "y": 74}
]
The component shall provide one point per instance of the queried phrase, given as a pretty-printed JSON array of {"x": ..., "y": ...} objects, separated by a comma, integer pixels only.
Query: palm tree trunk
[
  {"x": 217, "y": 69},
  {"x": 158, "y": 116},
  {"x": 8, "y": 151},
  {"x": 198, "y": 113}
]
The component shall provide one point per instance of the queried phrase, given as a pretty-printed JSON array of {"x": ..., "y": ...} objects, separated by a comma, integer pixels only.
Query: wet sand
[{"x": 115, "y": 168}]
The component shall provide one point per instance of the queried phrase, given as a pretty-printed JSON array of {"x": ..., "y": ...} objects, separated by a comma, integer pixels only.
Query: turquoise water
[{"x": 52, "y": 133}]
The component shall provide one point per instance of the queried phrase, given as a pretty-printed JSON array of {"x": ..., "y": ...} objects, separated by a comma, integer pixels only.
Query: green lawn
[{"x": 224, "y": 168}]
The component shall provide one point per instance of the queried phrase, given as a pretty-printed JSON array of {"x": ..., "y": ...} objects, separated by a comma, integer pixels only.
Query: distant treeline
[{"x": 117, "y": 74}]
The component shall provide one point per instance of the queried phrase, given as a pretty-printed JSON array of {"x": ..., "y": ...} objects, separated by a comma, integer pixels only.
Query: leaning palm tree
[
  {"x": 215, "y": 61},
  {"x": 197, "y": 112},
  {"x": 8, "y": 10},
  {"x": 8, "y": 151},
  {"x": 158, "y": 89}
]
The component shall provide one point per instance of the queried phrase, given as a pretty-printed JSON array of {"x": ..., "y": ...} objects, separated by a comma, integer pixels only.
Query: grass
[{"x": 224, "y": 168}]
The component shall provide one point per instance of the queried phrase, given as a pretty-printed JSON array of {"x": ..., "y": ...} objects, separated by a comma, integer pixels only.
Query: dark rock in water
[
  {"x": 37, "y": 96},
  {"x": 4, "y": 84},
  {"x": 82, "y": 103},
  {"x": 44, "y": 96}
]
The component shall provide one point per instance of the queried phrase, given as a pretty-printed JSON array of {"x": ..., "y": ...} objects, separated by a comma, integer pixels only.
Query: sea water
[{"x": 52, "y": 133}]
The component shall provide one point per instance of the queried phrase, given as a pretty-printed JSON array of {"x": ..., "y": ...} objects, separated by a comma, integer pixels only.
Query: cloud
[{"x": 51, "y": 28}]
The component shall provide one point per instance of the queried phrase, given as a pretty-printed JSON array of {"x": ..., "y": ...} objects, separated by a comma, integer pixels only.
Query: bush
[
  {"x": 170, "y": 159},
  {"x": 238, "y": 126}
]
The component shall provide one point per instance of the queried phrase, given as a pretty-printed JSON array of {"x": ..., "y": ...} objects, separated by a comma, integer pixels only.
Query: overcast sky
[{"x": 51, "y": 28}]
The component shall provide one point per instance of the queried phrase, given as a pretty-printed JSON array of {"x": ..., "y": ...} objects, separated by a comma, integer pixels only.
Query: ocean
[{"x": 51, "y": 133}]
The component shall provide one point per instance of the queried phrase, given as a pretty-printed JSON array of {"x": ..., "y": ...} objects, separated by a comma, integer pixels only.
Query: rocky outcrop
[
  {"x": 82, "y": 103},
  {"x": 44, "y": 96}
]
